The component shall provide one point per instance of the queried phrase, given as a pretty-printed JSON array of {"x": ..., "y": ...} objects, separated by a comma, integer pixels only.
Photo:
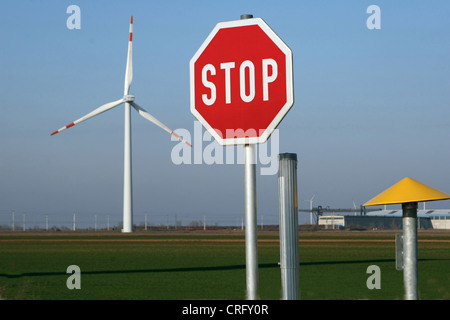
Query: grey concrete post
[{"x": 288, "y": 216}]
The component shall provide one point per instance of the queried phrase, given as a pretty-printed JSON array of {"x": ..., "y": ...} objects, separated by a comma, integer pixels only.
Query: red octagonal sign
[{"x": 241, "y": 82}]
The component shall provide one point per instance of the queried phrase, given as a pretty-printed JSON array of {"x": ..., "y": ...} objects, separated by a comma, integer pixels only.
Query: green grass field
[{"x": 198, "y": 265}]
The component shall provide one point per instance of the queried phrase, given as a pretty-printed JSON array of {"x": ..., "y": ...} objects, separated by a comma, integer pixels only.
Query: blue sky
[{"x": 371, "y": 106}]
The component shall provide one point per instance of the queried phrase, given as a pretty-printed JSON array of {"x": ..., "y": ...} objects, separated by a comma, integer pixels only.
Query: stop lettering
[{"x": 246, "y": 80}]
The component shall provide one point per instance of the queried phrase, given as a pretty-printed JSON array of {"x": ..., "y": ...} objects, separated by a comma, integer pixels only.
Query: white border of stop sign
[{"x": 289, "y": 82}]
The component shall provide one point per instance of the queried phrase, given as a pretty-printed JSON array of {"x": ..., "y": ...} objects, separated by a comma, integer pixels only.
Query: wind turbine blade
[
  {"x": 129, "y": 68},
  {"x": 151, "y": 118},
  {"x": 97, "y": 111}
]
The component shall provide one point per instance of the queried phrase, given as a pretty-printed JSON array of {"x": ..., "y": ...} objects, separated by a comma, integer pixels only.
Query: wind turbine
[{"x": 128, "y": 99}]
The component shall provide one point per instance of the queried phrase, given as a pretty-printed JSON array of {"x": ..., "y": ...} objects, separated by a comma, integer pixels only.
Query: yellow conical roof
[{"x": 407, "y": 190}]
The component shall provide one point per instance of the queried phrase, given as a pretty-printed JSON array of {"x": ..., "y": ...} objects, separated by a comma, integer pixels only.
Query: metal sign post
[
  {"x": 251, "y": 237},
  {"x": 251, "y": 240}
]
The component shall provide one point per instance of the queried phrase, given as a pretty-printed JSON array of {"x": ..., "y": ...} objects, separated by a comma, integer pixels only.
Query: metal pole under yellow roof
[{"x": 407, "y": 190}]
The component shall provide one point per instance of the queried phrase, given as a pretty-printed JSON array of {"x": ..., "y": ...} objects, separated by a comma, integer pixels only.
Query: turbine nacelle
[{"x": 128, "y": 98}]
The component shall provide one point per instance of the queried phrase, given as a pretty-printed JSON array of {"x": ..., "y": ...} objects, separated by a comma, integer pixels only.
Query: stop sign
[{"x": 241, "y": 82}]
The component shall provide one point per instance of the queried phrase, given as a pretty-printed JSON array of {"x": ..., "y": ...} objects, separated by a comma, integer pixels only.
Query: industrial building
[{"x": 388, "y": 219}]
